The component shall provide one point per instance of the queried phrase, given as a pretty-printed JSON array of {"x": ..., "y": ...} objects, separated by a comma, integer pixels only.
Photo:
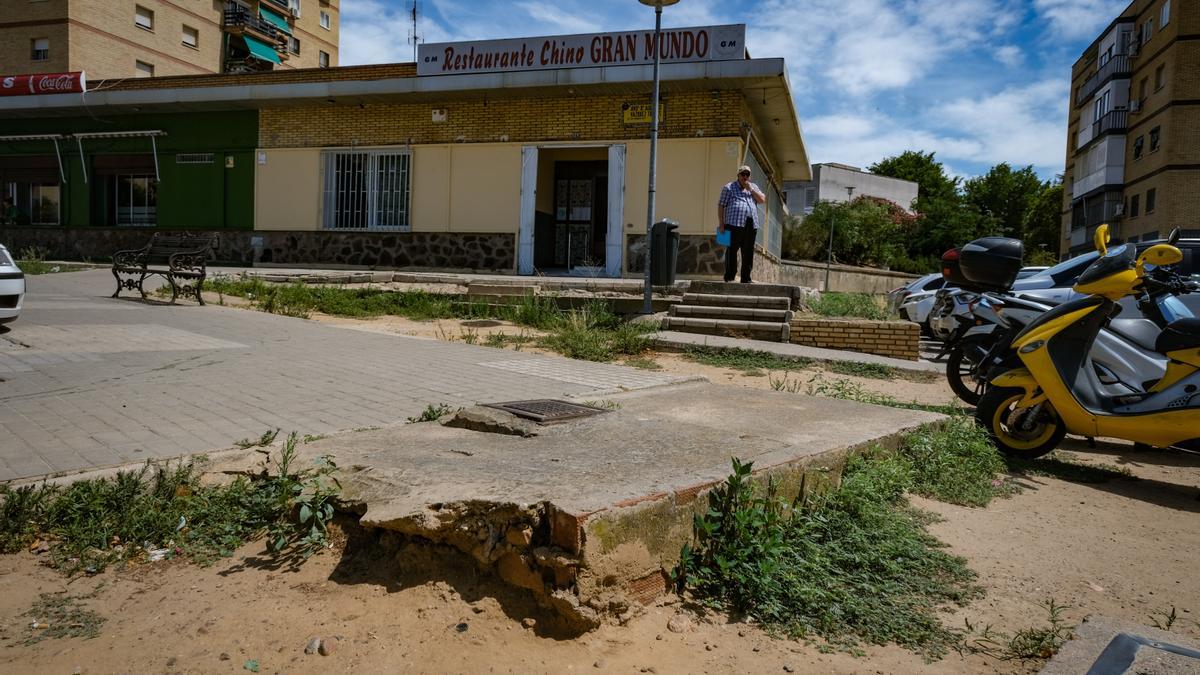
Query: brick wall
[
  {"x": 687, "y": 115},
  {"x": 16, "y": 49},
  {"x": 313, "y": 38},
  {"x": 898, "y": 339}
]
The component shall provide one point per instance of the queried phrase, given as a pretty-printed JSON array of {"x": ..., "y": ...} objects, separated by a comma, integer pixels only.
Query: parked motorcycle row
[{"x": 1106, "y": 344}]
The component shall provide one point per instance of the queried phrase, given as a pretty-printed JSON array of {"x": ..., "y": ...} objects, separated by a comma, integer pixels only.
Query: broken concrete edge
[
  {"x": 613, "y": 391},
  {"x": 592, "y": 566},
  {"x": 1093, "y": 635}
]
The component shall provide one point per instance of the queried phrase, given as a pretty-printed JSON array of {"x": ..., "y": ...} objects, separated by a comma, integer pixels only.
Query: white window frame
[
  {"x": 1164, "y": 15},
  {"x": 294, "y": 6},
  {"x": 38, "y": 52},
  {"x": 195, "y": 44},
  {"x": 366, "y": 190},
  {"x": 293, "y": 44},
  {"x": 143, "y": 18},
  {"x": 138, "y": 71},
  {"x": 326, "y": 22}
]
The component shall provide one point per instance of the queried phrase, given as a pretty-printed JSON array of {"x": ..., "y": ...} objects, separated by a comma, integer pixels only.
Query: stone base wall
[
  {"x": 898, "y": 339},
  {"x": 435, "y": 250}
]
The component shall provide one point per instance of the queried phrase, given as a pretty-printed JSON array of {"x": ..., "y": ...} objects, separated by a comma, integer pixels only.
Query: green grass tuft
[
  {"x": 851, "y": 305},
  {"x": 743, "y": 359}
]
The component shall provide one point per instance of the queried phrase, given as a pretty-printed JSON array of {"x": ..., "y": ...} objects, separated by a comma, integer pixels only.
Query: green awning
[
  {"x": 276, "y": 19},
  {"x": 260, "y": 49}
]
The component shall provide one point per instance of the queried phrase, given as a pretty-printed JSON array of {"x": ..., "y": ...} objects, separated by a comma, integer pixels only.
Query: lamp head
[{"x": 658, "y": 3}]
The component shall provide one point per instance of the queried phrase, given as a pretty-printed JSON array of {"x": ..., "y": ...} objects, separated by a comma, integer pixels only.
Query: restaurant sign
[{"x": 678, "y": 45}]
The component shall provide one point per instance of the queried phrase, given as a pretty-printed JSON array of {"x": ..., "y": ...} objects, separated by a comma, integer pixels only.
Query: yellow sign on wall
[{"x": 639, "y": 113}]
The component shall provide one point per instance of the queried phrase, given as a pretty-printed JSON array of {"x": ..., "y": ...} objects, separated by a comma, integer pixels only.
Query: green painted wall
[{"x": 190, "y": 196}]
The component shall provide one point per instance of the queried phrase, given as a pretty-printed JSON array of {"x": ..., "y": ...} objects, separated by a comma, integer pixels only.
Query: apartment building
[
  {"x": 834, "y": 182},
  {"x": 118, "y": 39},
  {"x": 1133, "y": 140}
]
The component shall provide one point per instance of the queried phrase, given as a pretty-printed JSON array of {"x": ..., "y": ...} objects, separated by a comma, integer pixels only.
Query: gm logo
[{"x": 729, "y": 43}]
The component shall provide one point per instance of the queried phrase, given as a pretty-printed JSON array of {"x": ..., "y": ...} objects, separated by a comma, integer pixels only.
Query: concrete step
[
  {"x": 757, "y": 330},
  {"x": 722, "y": 288},
  {"x": 743, "y": 313},
  {"x": 747, "y": 301}
]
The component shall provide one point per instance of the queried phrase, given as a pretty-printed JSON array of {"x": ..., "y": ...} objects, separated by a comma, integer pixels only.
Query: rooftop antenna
[{"x": 413, "y": 36}]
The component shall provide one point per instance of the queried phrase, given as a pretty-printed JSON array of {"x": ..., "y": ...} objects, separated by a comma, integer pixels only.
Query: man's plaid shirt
[{"x": 739, "y": 205}]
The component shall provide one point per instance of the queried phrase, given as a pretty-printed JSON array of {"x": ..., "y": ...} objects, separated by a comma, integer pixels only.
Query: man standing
[{"x": 737, "y": 211}]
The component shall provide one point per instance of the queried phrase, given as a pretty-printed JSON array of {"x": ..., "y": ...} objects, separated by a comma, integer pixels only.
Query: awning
[
  {"x": 151, "y": 134},
  {"x": 261, "y": 50},
  {"x": 42, "y": 137},
  {"x": 276, "y": 19}
]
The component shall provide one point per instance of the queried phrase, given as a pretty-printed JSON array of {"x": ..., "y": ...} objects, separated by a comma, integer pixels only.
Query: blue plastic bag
[{"x": 724, "y": 238}]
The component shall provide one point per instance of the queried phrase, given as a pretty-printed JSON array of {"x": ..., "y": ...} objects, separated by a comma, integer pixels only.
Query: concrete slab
[
  {"x": 591, "y": 514},
  {"x": 677, "y": 340},
  {"x": 1115, "y": 646}
]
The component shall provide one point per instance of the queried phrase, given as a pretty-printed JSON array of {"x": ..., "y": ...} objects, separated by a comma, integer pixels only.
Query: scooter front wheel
[{"x": 1012, "y": 429}]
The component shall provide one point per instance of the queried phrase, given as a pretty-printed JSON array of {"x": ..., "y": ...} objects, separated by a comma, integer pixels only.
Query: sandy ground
[{"x": 1123, "y": 548}]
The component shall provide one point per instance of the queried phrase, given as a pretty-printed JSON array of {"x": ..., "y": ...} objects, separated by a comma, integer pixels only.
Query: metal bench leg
[
  {"x": 141, "y": 280},
  {"x": 199, "y": 288},
  {"x": 174, "y": 287},
  {"x": 117, "y": 276}
]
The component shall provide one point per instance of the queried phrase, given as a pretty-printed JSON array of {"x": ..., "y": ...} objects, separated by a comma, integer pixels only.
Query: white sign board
[{"x": 679, "y": 45}]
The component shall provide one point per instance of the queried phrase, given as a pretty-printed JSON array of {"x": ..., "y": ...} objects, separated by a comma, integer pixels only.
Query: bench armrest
[
  {"x": 131, "y": 258},
  {"x": 189, "y": 261}
]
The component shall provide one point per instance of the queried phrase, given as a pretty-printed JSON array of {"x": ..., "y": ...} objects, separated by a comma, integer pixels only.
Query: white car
[
  {"x": 12, "y": 287},
  {"x": 929, "y": 282}
]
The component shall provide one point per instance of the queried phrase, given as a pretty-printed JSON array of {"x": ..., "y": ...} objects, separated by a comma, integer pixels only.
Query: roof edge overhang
[{"x": 764, "y": 81}]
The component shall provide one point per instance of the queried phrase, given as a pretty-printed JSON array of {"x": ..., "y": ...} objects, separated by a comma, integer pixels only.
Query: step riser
[
  {"x": 736, "y": 313},
  {"x": 759, "y": 330},
  {"x": 721, "y": 288},
  {"x": 749, "y": 302}
]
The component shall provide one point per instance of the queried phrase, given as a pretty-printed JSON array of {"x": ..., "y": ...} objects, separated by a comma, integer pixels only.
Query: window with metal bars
[{"x": 367, "y": 190}]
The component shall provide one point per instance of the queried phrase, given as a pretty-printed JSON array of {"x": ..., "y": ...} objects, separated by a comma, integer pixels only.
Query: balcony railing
[
  {"x": 1116, "y": 66},
  {"x": 238, "y": 17},
  {"x": 1115, "y": 121}
]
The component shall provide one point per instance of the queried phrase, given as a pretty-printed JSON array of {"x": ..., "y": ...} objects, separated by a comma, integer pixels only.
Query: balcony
[
  {"x": 238, "y": 20},
  {"x": 1117, "y": 66},
  {"x": 1114, "y": 122}
]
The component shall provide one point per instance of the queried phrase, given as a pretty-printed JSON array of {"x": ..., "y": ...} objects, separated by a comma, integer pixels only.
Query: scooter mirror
[
  {"x": 1174, "y": 236},
  {"x": 1159, "y": 255},
  {"x": 1101, "y": 239}
]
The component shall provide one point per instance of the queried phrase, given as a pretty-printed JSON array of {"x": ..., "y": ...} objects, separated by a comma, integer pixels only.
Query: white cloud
[
  {"x": 1076, "y": 19},
  {"x": 1010, "y": 55}
]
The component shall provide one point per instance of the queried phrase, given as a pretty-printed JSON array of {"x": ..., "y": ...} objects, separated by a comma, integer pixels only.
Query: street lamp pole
[
  {"x": 648, "y": 291},
  {"x": 832, "y": 220}
]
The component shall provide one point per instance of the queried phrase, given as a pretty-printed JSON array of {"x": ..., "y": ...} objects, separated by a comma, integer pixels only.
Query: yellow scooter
[{"x": 1028, "y": 410}]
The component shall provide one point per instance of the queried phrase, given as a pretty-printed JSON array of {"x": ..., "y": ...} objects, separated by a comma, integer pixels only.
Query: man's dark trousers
[{"x": 740, "y": 239}]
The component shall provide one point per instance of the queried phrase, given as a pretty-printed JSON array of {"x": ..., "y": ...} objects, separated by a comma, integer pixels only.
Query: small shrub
[
  {"x": 433, "y": 413},
  {"x": 956, "y": 463},
  {"x": 743, "y": 359},
  {"x": 1027, "y": 644},
  {"x": 876, "y": 371}
]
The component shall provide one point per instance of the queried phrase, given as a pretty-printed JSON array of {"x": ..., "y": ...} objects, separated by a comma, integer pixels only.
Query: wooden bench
[{"x": 181, "y": 259}]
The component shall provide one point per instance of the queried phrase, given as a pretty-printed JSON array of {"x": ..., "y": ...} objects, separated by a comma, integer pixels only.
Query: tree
[
  {"x": 866, "y": 231},
  {"x": 933, "y": 185},
  {"x": 1041, "y": 227},
  {"x": 944, "y": 222},
  {"x": 1002, "y": 198}
]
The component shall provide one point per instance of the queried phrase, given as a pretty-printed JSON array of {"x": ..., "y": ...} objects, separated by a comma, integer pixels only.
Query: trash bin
[{"x": 664, "y": 252}]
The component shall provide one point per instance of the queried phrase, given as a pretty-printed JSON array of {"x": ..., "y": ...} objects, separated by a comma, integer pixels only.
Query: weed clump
[
  {"x": 853, "y": 305},
  {"x": 850, "y": 566},
  {"x": 165, "y": 511}
]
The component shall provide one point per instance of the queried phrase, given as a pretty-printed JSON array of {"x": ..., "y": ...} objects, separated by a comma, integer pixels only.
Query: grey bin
[{"x": 664, "y": 252}]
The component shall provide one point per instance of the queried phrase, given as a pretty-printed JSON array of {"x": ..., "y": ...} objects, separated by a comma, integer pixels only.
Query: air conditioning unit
[
  {"x": 1135, "y": 105},
  {"x": 1119, "y": 210}
]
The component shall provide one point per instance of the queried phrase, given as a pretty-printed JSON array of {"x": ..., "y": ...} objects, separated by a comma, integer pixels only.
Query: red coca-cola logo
[
  {"x": 50, "y": 83},
  {"x": 53, "y": 83}
]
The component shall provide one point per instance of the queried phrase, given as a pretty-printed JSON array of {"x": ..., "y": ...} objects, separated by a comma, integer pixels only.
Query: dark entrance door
[{"x": 577, "y": 230}]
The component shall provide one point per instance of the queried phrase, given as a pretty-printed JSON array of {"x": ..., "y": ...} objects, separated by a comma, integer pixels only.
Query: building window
[
  {"x": 36, "y": 202},
  {"x": 367, "y": 190},
  {"x": 325, "y": 20},
  {"x": 1154, "y": 138},
  {"x": 1160, "y": 77},
  {"x": 143, "y": 18},
  {"x": 1151, "y": 235},
  {"x": 134, "y": 198},
  {"x": 39, "y": 49},
  {"x": 1164, "y": 15},
  {"x": 1151, "y": 197},
  {"x": 1134, "y": 202},
  {"x": 1100, "y": 107},
  {"x": 323, "y": 59},
  {"x": 293, "y": 45},
  {"x": 191, "y": 37},
  {"x": 143, "y": 69},
  {"x": 1138, "y": 144},
  {"x": 1143, "y": 88},
  {"x": 294, "y": 6}
]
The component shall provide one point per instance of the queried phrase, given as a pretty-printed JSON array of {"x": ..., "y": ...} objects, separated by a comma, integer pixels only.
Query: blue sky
[{"x": 977, "y": 81}]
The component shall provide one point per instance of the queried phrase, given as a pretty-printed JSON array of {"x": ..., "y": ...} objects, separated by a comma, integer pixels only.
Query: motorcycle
[{"x": 1027, "y": 410}]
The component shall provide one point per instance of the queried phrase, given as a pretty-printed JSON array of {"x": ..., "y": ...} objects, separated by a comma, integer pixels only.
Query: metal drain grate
[{"x": 546, "y": 410}]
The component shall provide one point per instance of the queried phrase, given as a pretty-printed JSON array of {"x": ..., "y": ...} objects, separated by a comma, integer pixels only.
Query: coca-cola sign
[{"x": 49, "y": 83}]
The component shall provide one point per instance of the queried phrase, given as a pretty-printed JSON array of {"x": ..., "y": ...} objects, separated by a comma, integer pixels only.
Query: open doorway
[{"x": 571, "y": 222}]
